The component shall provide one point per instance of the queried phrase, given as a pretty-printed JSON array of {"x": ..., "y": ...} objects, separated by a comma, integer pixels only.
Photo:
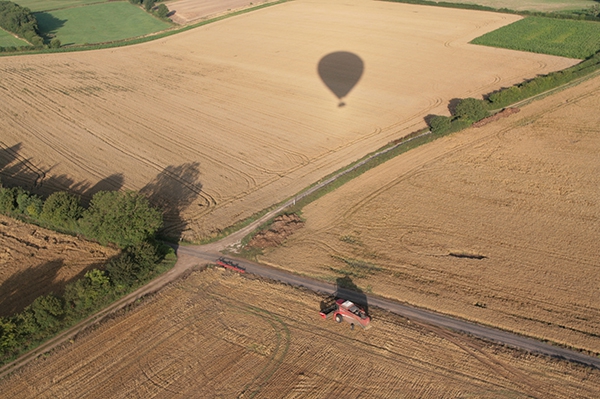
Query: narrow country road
[{"x": 410, "y": 312}]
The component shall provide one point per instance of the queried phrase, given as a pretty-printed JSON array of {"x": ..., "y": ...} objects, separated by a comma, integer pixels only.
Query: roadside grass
[
  {"x": 98, "y": 23},
  {"x": 8, "y": 40},
  {"x": 566, "y": 38},
  {"x": 49, "y": 5}
]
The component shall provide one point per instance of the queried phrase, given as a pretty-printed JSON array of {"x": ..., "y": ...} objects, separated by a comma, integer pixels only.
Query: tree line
[
  {"x": 471, "y": 110},
  {"x": 20, "y": 21},
  {"x": 125, "y": 219}
]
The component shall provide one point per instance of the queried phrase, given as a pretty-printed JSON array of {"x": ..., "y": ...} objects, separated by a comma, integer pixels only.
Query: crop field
[
  {"x": 217, "y": 334},
  {"x": 98, "y": 23},
  {"x": 35, "y": 261},
  {"x": 7, "y": 39},
  {"x": 49, "y": 5},
  {"x": 497, "y": 224},
  {"x": 567, "y": 38},
  {"x": 532, "y": 5},
  {"x": 217, "y": 124},
  {"x": 186, "y": 11}
]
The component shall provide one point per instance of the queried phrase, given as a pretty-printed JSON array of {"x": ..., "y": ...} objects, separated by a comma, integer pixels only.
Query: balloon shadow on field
[
  {"x": 340, "y": 72},
  {"x": 173, "y": 191}
]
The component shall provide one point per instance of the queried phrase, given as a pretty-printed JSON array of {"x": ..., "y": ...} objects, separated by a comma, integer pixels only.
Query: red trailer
[
  {"x": 343, "y": 310},
  {"x": 228, "y": 264}
]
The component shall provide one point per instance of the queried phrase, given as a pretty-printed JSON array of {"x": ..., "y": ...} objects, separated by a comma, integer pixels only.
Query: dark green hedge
[{"x": 20, "y": 21}]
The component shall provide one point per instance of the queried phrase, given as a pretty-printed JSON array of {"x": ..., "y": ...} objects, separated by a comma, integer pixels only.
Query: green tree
[
  {"x": 87, "y": 293},
  {"x": 55, "y": 43},
  {"x": 8, "y": 335},
  {"x": 149, "y": 4},
  {"x": 122, "y": 218},
  {"x": 162, "y": 11},
  {"x": 47, "y": 311},
  {"x": 471, "y": 109},
  {"x": 440, "y": 124},
  {"x": 135, "y": 263},
  {"x": 8, "y": 200},
  {"x": 62, "y": 210}
]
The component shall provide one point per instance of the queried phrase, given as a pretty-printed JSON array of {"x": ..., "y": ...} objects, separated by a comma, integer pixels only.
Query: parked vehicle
[
  {"x": 228, "y": 264},
  {"x": 344, "y": 310}
]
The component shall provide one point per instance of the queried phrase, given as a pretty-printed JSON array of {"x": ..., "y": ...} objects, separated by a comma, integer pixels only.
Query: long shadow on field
[
  {"x": 340, "y": 72},
  {"x": 22, "y": 288},
  {"x": 173, "y": 191},
  {"x": 49, "y": 25},
  {"x": 18, "y": 171},
  {"x": 346, "y": 289}
]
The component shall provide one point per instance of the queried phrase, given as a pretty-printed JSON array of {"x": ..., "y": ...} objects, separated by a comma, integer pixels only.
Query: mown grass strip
[
  {"x": 566, "y": 38},
  {"x": 98, "y": 23},
  {"x": 9, "y": 40}
]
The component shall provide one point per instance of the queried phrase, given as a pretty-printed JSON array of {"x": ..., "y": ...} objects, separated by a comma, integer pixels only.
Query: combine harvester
[
  {"x": 227, "y": 264},
  {"x": 343, "y": 310}
]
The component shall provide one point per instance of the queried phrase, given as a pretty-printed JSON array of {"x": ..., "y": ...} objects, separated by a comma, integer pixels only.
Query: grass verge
[{"x": 8, "y": 40}]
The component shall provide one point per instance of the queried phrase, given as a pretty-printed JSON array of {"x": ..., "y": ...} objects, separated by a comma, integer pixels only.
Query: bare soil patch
[
  {"x": 35, "y": 261},
  {"x": 282, "y": 227},
  {"x": 497, "y": 224},
  {"x": 222, "y": 121},
  {"x": 217, "y": 334}
]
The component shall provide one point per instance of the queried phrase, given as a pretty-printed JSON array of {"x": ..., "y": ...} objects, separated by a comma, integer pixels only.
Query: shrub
[
  {"x": 55, "y": 43},
  {"x": 8, "y": 200},
  {"x": 120, "y": 218},
  {"x": 471, "y": 109},
  {"x": 440, "y": 124},
  {"x": 148, "y": 4},
  {"x": 62, "y": 210},
  {"x": 162, "y": 11}
]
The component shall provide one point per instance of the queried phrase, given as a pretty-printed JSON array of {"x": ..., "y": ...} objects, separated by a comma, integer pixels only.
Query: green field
[
  {"x": 7, "y": 40},
  {"x": 567, "y": 38},
  {"x": 98, "y": 23},
  {"x": 49, "y": 5},
  {"x": 532, "y": 5}
]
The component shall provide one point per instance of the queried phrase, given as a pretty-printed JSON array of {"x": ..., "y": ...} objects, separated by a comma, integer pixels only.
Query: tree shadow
[
  {"x": 48, "y": 25},
  {"x": 173, "y": 191},
  {"x": 23, "y": 287},
  {"x": 452, "y": 105}
]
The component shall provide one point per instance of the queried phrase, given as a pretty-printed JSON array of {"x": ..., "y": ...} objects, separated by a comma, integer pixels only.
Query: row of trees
[
  {"x": 161, "y": 11},
  {"x": 20, "y": 21},
  {"x": 119, "y": 218},
  {"x": 471, "y": 110},
  {"x": 124, "y": 219}
]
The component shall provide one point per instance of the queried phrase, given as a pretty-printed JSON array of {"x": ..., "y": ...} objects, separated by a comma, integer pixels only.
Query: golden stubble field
[
  {"x": 222, "y": 121},
  {"x": 219, "y": 335},
  {"x": 497, "y": 224},
  {"x": 36, "y": 261}
]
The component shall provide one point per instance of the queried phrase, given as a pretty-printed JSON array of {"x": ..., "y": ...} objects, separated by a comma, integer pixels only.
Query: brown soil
[
  {"x": 217, "y": 334},
  {"x": 499, "y": 115},
  {"x": 35, "y": 261},
  {"x": 222, "y": 121},
  {"x": 282, "y": 227},
  {"x": 497, "y": 224}
]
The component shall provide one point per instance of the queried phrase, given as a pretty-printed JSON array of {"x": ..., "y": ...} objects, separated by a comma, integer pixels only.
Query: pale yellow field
[
  {"x": 186, "y": 11},
  {"x": 222, "y": 121},
  {"x": 522, "y": 193},
  {"x": 218, "y": 335}
]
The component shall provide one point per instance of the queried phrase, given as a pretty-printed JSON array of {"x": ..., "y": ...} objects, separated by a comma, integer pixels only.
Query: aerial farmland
[{"x": 228, "y": 118}]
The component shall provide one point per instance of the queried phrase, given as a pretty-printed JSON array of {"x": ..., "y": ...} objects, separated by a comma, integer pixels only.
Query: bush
[
  {"x": 149, "y": 4},
  {"x": 55, "y": 43},
  {"x": 20, "y": 21},
  {"x": 440, "y": 124},
  {"x": 162, "y": 11},
  {"x": 120, "y": 218},
  {"x": 8, "y": 200},
  {"x": 62, "y": 210},
  {"x": 471, "y": 109}
]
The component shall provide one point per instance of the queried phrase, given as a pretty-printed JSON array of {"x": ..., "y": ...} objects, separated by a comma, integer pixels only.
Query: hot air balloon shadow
[{"x": 340, "y": 71}]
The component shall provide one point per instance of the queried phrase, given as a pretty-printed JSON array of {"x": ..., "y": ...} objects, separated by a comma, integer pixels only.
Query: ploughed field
[
  {"x": 497, "y": 224},
  {"x": 36, "y": 261},
  {"x": 217, "y": 334},
  {"x": 222, "y": 121}
]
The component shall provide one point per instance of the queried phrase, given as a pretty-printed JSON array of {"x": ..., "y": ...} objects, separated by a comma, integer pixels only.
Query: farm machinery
[
  {"x": 344, "y": 310},
  {"x": 228, "y": 264}
]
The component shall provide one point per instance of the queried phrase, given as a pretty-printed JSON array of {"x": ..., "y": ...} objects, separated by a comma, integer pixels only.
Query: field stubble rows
[
  {"x": 496, "y": 224},
  {"x": 216, "y": 334},
  {"x": 219, "y": 124}
]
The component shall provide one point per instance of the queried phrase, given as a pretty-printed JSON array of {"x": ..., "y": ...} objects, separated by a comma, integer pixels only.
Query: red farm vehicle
[
  {"x": 343, "y": 310},
  {"x": 227, "y": 264}
]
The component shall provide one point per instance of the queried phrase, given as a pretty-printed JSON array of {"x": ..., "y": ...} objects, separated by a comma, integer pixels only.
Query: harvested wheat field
[
  {"x": 186, "y": 11},
  {"x": 221, "y": 121},
  {"x": 35, "y": 261},
  {"x": 498, "y": 224},
  {"x": 219, "y": 335}
]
